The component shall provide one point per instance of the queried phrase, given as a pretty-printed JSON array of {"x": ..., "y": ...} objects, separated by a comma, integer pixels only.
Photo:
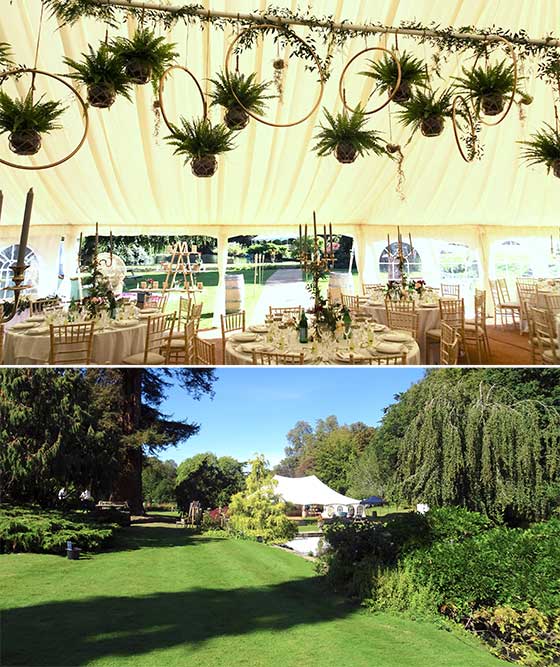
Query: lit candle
[
  {"x": 388, "y": 244},
  {"x": 314, "y": 225},
  {"x": 325, "y": 237},
  {"x": 25, "y": 230}
]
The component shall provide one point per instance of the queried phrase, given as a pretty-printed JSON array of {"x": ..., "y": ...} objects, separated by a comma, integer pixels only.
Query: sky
[{"x": 254, "y": 408}]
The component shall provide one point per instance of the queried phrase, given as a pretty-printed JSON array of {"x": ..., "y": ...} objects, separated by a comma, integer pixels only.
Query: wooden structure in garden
[{"x": 181, "y": 264}]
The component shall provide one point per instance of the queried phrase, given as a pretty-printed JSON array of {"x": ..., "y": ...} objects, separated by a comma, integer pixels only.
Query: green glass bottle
[
  {"x": 347, "y": 320},
  {"x": 303, "y": 328}
]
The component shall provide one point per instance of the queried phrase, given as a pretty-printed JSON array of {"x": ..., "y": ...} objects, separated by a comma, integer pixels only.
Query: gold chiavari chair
[
  {"x": 192, "y": 312},
  {"x": 503, "y": 304},
  {"x": 277, "y": 359},
  {"x": 1, "y": 341},
  {"x": 450, "y": 290},
  {"x": 451, "y": 311},
  {"x": 552, "y": 303},
  {"x": 475, "y": 332},
  {"x": 205, "y": 352},
  {"x": 380, "y": 360},
  {"x": 403, "y": 321},
  {"x": 182, "y": 350},
  {"x": 448, "y": 346},
  {"x": 158, "y": 301},
  {"x": 158, "y": 338},
  {"x": 355, "y": 305},
  {"x": 38, "y": 306},
  {"x": 527, "y": 293},
  {"x": 371, "y": 289},
  {"x": 293, "y": 312},
  {"x": 399, "y": 306},
  {"x": 71, "y": 344},
  {"x": 543, "y": 324},
  {"x": 230, "y": 323},
  {"x": 533, "y": 341}
]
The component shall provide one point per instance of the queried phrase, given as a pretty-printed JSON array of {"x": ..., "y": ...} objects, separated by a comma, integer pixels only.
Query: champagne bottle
[
  {"x": 347, "y": 320},
  {"x": 303, "y": 329}
]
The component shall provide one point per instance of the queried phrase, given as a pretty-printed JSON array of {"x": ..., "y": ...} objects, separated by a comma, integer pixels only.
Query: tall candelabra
[
  {"x": 95, "y": 261},
  {"x": 313, "y": 260},
  {"x": 401, "y": 257},
  {"x": 19, "y": 268}
]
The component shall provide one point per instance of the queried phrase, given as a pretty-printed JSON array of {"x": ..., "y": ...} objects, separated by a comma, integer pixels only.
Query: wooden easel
[{"x": 181, "y": 264}]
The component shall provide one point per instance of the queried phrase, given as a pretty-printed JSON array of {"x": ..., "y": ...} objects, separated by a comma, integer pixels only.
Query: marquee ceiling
[{"x": 126, "y": 178}]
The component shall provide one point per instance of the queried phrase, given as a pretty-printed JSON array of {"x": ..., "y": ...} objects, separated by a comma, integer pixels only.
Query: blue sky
[{"x": 253, "y": 409}]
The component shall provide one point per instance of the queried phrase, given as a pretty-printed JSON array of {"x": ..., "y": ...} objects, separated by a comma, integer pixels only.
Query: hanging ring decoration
[
  {"x": 306, "y": 46},
  {"x": 33, "y": 72},
  {"x": 513, "y": 56},
  {"x": 460, "y": 98},
  {"x": 160, "y": 93},
  {"x": 393, "y": 92}
]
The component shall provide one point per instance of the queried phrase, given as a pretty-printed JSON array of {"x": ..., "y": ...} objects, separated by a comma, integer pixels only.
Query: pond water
[{"x": 305, "y": 545}]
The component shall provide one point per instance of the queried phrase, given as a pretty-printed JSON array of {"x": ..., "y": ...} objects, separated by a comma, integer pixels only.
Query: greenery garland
[{"x": 322, "y": 30}]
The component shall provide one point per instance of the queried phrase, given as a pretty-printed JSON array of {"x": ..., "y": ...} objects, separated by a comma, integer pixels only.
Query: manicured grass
[
  {"x": 307, "y": 525},
  {"x": 173, "y": 599}
]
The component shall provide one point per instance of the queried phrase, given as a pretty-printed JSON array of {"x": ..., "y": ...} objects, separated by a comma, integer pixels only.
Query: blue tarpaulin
[{"x": 373, "y": 500}]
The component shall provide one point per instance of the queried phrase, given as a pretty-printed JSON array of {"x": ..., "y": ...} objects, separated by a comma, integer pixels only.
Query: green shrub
[
  {"x": 47, "y": 531},
  {"x": 396, "y": 589},
  {"x": 456, "y": 523}
]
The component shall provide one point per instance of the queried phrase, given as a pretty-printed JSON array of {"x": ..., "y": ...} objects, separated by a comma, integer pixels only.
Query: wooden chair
[
  {"x": 448, "y": 346},
  {"x": 1, "y": 343},
  {"x": 450, "y": 290},
  {"x": 354, "y": 304},
  {"x": 205, "y": 352},
  {"x": 38, "y": 306},
  {"x": 293, "y": 312},
  {"x": 552, "y": 303},
  {"x": 277, "y": 359},
  {"x": 475, "y": 332},
  {"x": 400, "y": 306},
  {"x": 527, "y": 293},
  {"x": 158, "y": 301},
  {"x": 231, "y": 322},
  {"x": 191, "y": 312},
  {"x": 71, "y": 344},
  {"x": 503, "y": 305},
  {"x": 158, "y": 339},
  {"x": 181, "y": 350},
  {"x": 451, "y": 311},
  {"x": 370, "y": 289},
  {"x": 546, "y": 336},
  {"x": 533, "y": 341},
  {"x": 380, "y": 360},
  {"x": 403, "y": 321}
]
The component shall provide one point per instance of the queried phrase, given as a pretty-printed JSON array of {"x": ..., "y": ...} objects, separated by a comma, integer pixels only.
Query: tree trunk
[{"x": 129, "y": 485}]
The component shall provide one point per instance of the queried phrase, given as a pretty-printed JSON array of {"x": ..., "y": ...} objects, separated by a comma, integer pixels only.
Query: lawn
[{"x": 165, "y": 597}]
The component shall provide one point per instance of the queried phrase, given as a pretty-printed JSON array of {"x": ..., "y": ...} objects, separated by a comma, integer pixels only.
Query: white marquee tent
[
  {"x": 127, "y": 179},
  {"x": 310, "y": 491}
]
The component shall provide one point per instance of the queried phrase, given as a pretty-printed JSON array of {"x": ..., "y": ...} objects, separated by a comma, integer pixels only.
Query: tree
[
  {"x": 478, "y": 447},
  {"x": 133, "y": 396},
  {"x": 365, "y": 476},
  {"x": 158, "y": 480},
  {"x": 298, "y": 438},
  {"x": 258, "y": 511},
  {"x": 52, "y": 434},
  {"x": 209, "y": 479}
]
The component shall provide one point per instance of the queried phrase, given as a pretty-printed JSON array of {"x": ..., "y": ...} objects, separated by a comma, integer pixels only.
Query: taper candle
[{"x": 25, "y": 229}]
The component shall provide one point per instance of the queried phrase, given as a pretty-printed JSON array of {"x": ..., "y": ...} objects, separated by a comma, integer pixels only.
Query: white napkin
[
  {"x": 37, "y": 331},
  {"x": 20, "y": 326},
  {"x": 124, "y": 323},
  {"x": 397, "y": 337},
  {"x": 390, "y": 348},
  {"x": 244, "y": 337}
]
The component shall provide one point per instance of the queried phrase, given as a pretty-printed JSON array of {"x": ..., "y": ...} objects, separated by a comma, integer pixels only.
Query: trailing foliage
[
  {"x": 484, "y": 452},
  {"x": 543, "y": 148},
  {"x": 101, "y": 67},
  {"x": 348, "y": 129},
  {"x": 35, "y": 530},
  {"x": 26, "y": 114},
  {"x": 257, "y": 512},
  {"x": 250, "y": 94},
  {"x": 199, "y": 138}
]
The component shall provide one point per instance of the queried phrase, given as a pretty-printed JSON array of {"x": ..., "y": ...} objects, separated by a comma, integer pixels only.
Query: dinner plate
[
  {"x": 149, "y": 311},
  {"x": 429, "y": 305},
  {"x": 397, "y": 337},
  {"x": 389, "y": 348},
  {"x": 249, "y": 347},
  {"x": 21, "y": 326},
  {"x": 244, "y": 337},
  {"x": 378, "y": 327},
  {"x": 144, "y": 316},
  {"x": 259, "y": 328},
  {"x": 344, "y": 355},
  {"x": 262, "y": 347},
  {"x": 37, "y": 331},
  {"x": 36, "y": 318},
  {"x": 123, "y": 324}
]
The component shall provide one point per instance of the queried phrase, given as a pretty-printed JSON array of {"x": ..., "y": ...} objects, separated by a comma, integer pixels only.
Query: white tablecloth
[
  {"x": 236, "y": 357},
  {"x": 428, "y": 318},
  {"x": 110, "y": 346}
]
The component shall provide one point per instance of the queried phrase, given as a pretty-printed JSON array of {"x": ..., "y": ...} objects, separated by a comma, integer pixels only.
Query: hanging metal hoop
[
  {"x": 513, "y": 56},
  {"x": 393, "y": 91},
  {"x": 306, "y": 46},
  {"x": 460, "y": 98},
  {"x": 160, "y": 93},
  {"x": 32, "y": 71}
]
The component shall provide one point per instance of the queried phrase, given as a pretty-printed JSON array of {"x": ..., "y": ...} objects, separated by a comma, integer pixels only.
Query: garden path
[{"x": 283, "y": 289}]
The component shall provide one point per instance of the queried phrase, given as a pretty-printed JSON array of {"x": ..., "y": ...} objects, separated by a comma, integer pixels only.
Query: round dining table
[
  {"x": 428, "y": 318},
  {"x": 239, "y": 347},
  {"x": 110, "y": 345}
]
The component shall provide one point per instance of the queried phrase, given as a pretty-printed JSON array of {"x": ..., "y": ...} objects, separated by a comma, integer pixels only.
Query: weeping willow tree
[{"x": 483, "y": 451}]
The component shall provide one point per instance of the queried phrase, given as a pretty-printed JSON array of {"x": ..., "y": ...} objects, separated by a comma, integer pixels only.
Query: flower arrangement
[
  {"x": 418, "y": 286},
  {"x": 405, "y": 288}
]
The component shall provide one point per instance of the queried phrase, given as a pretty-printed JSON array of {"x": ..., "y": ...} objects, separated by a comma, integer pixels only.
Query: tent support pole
[{"x": 350, "y": 27}]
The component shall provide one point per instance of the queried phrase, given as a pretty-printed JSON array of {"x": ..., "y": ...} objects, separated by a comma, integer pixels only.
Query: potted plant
[
  {"x": 201, "y": 141},
  {"x": 26, "y": 120},
  {"x": 251, "y": 95},
  {"x": 103, "y": 74},
  {"x": 385, "y": 73},
  {"x": 544, "y": 148},
  {"x": 346, "y": 137},
  {"x": 145, "y": 57},
  {"x": 487, "y": 87},
  {"x": 426, "y": 110}
]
